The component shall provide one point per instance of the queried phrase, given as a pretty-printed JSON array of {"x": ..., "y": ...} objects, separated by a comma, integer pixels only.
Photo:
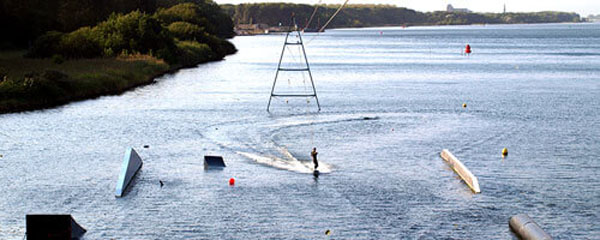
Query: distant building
[
  {"x": 450, "y": 9},
  {"x": 259, "y": 29},
  {"x": 593, "y": 18},
  {"x": 251, "y": 26},
  {"x": 251, "y": 29}
]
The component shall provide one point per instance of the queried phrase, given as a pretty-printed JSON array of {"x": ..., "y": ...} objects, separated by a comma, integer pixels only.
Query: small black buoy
[
  {"x": 161, "y": 183},
  {"x": 146, "y": 146}
]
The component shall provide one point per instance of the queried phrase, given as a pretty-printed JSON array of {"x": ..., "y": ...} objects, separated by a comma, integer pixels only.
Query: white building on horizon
[
  {"x": 593, "y": 18},
  {"x": 450, "y": 8}
]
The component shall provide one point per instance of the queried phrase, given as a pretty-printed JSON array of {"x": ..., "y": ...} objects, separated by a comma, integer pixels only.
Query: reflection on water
[{"x": 391, "y": 102}]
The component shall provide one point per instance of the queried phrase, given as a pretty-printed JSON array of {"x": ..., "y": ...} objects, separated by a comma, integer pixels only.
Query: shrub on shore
[
  {"x": 135, "y": 32},
  {"x": 205, "y": 14},
  {"x": 190, "y": 53},
  {"x": 188, "y": 31},
  {"x": 81, "y": 43}
]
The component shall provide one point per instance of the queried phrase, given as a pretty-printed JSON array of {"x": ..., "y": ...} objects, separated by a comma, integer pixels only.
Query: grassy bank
[
  {"x": 112, "y": 52},
  {"x": 28, "y": 84}
]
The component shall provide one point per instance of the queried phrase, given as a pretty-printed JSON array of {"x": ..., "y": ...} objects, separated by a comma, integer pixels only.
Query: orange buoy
[
  {"x": 468, "y": 49},
  {"x": 231, "y": 181}
]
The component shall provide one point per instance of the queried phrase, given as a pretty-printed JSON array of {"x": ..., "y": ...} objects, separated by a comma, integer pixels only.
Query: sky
[{"x": 583, "y": 7}]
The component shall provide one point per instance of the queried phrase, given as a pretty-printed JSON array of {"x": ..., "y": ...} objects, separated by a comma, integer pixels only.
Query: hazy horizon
[{"x": 582, "y": 7}]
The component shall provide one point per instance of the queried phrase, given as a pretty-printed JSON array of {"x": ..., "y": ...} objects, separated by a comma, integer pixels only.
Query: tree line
[
  {"x": 23, "y": 21},
  {"x": 366, "y": 15}
]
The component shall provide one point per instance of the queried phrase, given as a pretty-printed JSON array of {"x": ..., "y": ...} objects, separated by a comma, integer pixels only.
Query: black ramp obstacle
[
  {"x": 52, "y": 227},
  {"x": 213, "y": 162}
]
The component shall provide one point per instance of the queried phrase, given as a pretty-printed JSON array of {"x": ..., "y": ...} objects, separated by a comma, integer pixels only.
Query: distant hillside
[
  {"x": 367, "y": 15},
  {"x": 352, "y": 15},
  {"x": 446, "y": 18}
]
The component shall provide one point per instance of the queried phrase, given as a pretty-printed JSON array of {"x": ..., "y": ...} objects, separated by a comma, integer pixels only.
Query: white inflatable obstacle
[
  {"x": 461, "y": 170},
  {"x": 131, "y": 164}
]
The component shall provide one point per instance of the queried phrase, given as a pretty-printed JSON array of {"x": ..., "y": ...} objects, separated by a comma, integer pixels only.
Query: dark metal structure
[{"x": 306, "y": 68}]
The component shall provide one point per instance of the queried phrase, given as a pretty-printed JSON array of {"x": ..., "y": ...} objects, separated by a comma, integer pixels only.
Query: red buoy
[
  {"x": 231, "y": 181},
  {"x": 468, "y": 49}
]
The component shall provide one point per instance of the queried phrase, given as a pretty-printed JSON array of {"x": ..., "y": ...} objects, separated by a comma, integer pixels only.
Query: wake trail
[
  {"x": 259, "y": 146},
  {"x": 293, "y": 165}
]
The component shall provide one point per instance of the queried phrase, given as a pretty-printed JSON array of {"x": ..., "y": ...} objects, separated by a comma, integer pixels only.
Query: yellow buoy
[
  {"x": 504, "y": 152},
  {"x": 464, "y": 105}
]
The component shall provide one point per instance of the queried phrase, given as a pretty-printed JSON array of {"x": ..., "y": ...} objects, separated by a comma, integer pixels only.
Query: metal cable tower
[{"x": 306, "y": 68}]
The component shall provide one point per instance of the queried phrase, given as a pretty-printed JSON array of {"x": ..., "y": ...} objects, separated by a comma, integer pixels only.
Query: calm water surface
[{"x": 391, "y": 102}]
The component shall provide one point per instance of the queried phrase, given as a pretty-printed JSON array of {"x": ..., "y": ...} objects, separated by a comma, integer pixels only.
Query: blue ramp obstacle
[{"x": 131, "y": 164}]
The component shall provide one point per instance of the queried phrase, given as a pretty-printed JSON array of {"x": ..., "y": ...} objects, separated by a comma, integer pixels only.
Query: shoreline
[
  {"x": 457, "y": 25},
  {"x": 421, "y": 26},
  {"x": 112, "y": 82}
]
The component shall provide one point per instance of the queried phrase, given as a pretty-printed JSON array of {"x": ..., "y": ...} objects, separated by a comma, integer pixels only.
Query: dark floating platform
[
  {"x": 52, "y": 227},
  {"x": 214, "y": 162}
]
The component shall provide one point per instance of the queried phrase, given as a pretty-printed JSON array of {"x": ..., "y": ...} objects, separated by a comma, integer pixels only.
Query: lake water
[{"x": 391, "y": 101}]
